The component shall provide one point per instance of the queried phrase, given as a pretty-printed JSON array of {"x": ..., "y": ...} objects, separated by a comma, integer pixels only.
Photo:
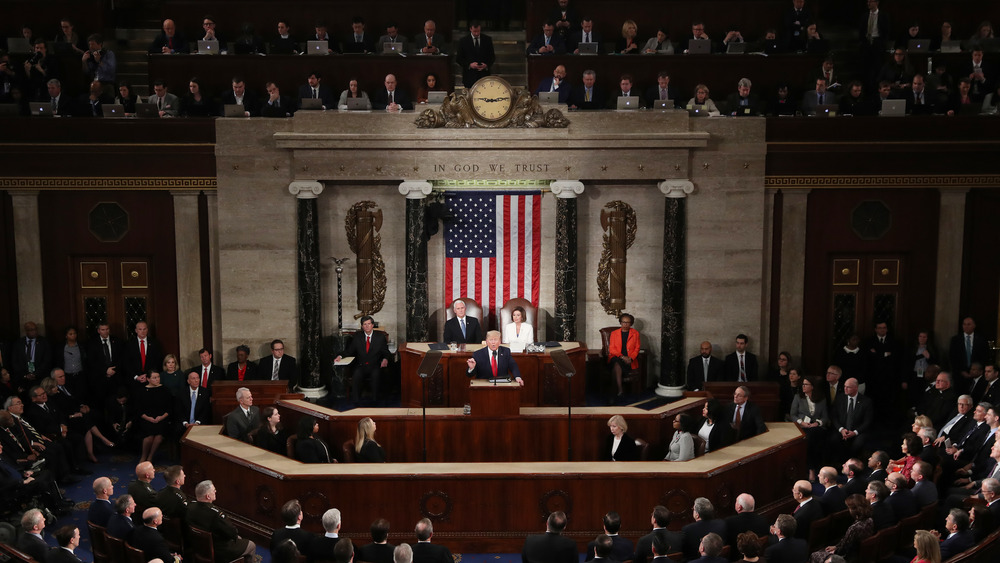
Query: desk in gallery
[
  {"x": 448, "y": 386},
  {"x": 488, "y": 506}
]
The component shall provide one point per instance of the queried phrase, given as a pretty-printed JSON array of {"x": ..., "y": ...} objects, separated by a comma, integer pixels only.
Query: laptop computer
[
  {"x": 113, "y": 110},
  {"x": 310, "y": 103},
  {"x": 233, "y": 110},
  {"x": 548, "y": 97},
  {"x": 435, "y": 97},
  {"x": 663, "y": 104},
  {"x": 699, "y": 47},
  {"x": 628, "y": 102},
  {"x": 736, "y": 48},
  {"x": 146, "y": 110},
  {"x": 697, "y": 111},
  {"x": 918, "y": 46},
  {"x": 318, "y": 48},
  {"x": 893, "y": 108},
  {"x": 41, "y": 109},
  {"x": 827, "y": 110},
  {"x": 208, "y": 47},
  {"x": 18, "y": 45},
  {"x": 951, "y": 46},
  {"x": 587, "y": 48},
  {"x": 392, "y": 48},
  {"x": 357, "y": 104}
]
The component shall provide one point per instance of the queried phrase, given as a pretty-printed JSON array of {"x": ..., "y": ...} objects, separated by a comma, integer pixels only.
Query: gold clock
[{"x": 492, "y": 100}]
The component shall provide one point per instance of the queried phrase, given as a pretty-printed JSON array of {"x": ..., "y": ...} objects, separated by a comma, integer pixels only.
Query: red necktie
[
  {"x": 368, "y": 343},
  {"x": 204, "y": 378},
  {"x": 142, "y": 353},
  {"x": 743, "y": 370},
  {"x": 493, "y": 362}
]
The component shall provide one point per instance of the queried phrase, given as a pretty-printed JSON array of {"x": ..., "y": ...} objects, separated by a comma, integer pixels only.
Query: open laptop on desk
[
  {"x": 310, "y": 103},
  {"x": 208, "y": 47},
  {"x": 146, "y": 110},
  {"x": 919, "y": 46},
  {"x": 357, "y": 104},
  {"x": 113, "y": 110},
  {"x": 18, "y": 45},
  {"x": 827, "y": 110},
  {"x": 587, "y": 48},
  {"x": 436, "y": 97},
  {"x": 548, "y": 97},
  {"x": 628, "y": 102},
  {"x": 392, "y": 48},
  {"x": 663, "y": 104},
  {"x": 699, "y": 47},
  {"x": 42, "y": 109},
  {"x": 697, "y": 111},
  {"x": 893, "y": 108},
  {"x": 233, "y": 110},
  {"x": 951, "y": 46},
  {"x": 736, "y": 48},
  {"x": 318, "y": 48}
]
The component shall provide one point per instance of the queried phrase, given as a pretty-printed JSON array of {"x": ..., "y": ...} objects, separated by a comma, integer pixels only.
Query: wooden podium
[{"x": 487, "y": 399}]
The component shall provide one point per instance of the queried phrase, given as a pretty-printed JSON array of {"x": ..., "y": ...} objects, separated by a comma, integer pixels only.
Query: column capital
[
  {"x": 415, "y": 189},
  {"x": 305, "y": 189},
  {"x": 566, "y": 189},
  {"x": 676, "y": 189}
]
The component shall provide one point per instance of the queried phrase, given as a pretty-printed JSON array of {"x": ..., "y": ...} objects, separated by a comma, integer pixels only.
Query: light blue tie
[
  {"x": 462, "y": 322},
  {"x": 194, "y": 401}
]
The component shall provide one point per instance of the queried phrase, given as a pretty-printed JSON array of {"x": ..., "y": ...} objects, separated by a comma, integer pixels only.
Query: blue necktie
[
  {"x": 194, "y": 401},
  {"x": 462, "y": 322}
]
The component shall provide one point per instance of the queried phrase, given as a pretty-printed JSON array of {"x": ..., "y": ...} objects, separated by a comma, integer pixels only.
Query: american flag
[{"x": 493, "y": 247}]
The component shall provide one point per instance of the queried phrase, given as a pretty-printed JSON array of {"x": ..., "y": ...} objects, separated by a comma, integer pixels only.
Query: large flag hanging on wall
[{"x": 493, "y": 247}]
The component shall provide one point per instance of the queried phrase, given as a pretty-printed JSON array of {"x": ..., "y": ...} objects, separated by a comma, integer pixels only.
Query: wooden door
[
  {"x": 113, "y": 289},
  {"x": 866, "y": 288}
]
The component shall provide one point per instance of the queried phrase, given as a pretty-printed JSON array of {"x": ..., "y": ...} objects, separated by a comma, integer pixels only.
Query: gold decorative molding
[
  {"x": 964, "y": 181},
  {"x": 111, "y": 183},
  {"x": 618, "y": 222},
  {"x": 362, "y": 224}
]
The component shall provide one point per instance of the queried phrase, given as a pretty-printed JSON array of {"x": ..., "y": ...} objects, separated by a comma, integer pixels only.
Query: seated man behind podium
[
  {"x": 462, "y": 328},
  {"x": 370, "y": 349},
  {"x": 493, "y": 361}
]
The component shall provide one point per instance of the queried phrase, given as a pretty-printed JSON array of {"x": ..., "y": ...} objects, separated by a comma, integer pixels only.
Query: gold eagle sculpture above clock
[{"x": 491, "y": 103}]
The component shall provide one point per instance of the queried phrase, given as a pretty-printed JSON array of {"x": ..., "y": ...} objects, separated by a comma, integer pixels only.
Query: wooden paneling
[
  {"x": 980, "y": 269},
  {"x": 10, "y": 327},
  {"x": 88, "y": 16}
]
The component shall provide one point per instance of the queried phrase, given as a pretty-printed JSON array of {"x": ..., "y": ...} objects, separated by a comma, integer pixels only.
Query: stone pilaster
[
  {"x": 190, "y": 331},
  {"x": 791, "y": 301},
  {"x": 28, "y": 259},
  {"x": 417, "y": 305},
  {"x": 949, "y": 266},
  {"x": 310, "y": 295},
  {"x": 671, "y": 383},
  {"x": 566, "y": 192}
]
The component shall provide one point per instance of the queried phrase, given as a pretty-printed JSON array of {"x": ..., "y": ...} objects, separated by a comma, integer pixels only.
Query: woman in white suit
[{"x": 518, "y": 331}]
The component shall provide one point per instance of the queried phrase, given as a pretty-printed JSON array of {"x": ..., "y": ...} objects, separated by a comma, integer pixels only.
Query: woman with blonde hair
[
  {"x": 627, "y": 45},
  {"x": 619, "y": 446},
  {"x": 928, "y": 547},
  {"x": 366, "y": 448}
]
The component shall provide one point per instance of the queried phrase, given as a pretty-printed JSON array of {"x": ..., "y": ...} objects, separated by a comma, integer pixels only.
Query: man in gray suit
[
  {"x": 817, "y": 97},
  {"x": 167, "y": 104},
  {"x": 244, "y": 418}
]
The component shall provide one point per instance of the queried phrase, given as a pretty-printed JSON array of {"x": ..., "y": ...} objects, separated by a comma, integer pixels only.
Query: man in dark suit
[
  {"x": 148, "y": 538},
  {"x": 391, "y": 98},
  {"x": 276, "y": 105},
  {"x": 788, "y": 548},
  {"x": 291, "y": 516},
  {"x": 120, "y": 524},
  {"x": 462, "y": 328},
  {"x": 924, "y": 490},
  {"x": 169, "y": 41},
  {"x": 585, "y": 34},
  {"x": 852, "y": 418},
  {"x": 938, "y": 402},
  {"x": 105, "y": 357},
  {"x": 556, "y": 83},
  {"x": 979, "y": 72},
  {"x": 833, "y": 496},
  {"x": 600, "y": 549},
  {"x": 743, "y": 102},
  {"x": 660, "y": 519},
  {"x": 873, "y": 36},
  {"x": 662, "y": 90},
  {"x": 244, "y": 418},
  {"x": 31, "y": 542},
  {"x": 239, "y": 95},
  {"x": 140, "y": 488},
  {"x": 68, "y": 538},
  {"x": 426, "y": 552},
  {"x": 142, "y": 353},
  {"x": 358, "y": 41},
  {"x": 430, "y": 42},
  {"x": 493, "y": 361},
  {"x": 660, "y": 547},
  {"x": 625, "y": 90},
  {"x": 199, "y": 396},
  {"x": 854, "y": 470},
  {"x": 882, "y": 515},
  {"x": 379, "y": 550},
  {"x": 588, "y": 95},
  {"x": 208, "y": 372},
  {"x": 710, "y": 549},
  {"x": 31, "y": 357},
  {"x": 547, "y": 42},
  {"x": 475, "y": 55},
  {"x": 808, "y": 509},
  {"x": 878, "y": 462},
  {"x": 901, "y": 498},
  {"x": 740, "y": 365},
  {"x": 314, "y": 88},
  {"x": 703, "y": 367},
  {"x": 324, "y": 546},
  {"x": 620, "y": 548},
  {"x": 101, "y": 509},
  {"x": 744, "y": 417},
  {"x": 370, "y": 350},
  {"x": 964, "y": 349},
  {"x": 959, "y": 537},
  {"x": 704, "y": 523},
  {"x": 745, "y": 519},
  {"x": 550, "y": 547},
  {"x": 278, "y": 365},
  {"x": 919, "y": 101},
  {"x": 992, "y": 392}
]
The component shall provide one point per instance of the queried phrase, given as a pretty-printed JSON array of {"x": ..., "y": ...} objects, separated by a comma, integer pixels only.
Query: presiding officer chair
[
  {"x": 472, "y": 309},
  {"x": 635, "y": 381},
  {"x": 530, "y": 314}
]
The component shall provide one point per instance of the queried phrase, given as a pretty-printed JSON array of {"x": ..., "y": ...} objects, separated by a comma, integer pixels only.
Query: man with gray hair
[
  {"x": 745, "y": 519},
  {"x": 991, "y": 493},
  {"x": 462, "y": 328},
  {"x": 426, "y": 552},
  {"x": 588, "y": 95},
  {"x": 743, "y": 103},
  {"x": 402, "y": 554},
  {"x": 62, "y": 104},
  {"x": 31, "y": 542},
  {"x": 710, "y": 548},
  {"x": 149, "y": 539},
  {"x": 203, "y": 514},
  {"x": 788, "y": 548},
  {"x": 704, "y": 523},
  {"x": 322, "y": 547},
  {"x": 244, "y": 418},
  {"x": 120, "y": 524}
]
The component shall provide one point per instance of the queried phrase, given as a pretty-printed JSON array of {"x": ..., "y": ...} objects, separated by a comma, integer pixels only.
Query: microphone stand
[
  {"x": 426, "y": 369},
  {"x": 565, "y": 368}
]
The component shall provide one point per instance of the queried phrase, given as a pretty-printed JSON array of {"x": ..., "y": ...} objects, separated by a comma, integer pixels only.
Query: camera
[{"x": 36, "y": 58}]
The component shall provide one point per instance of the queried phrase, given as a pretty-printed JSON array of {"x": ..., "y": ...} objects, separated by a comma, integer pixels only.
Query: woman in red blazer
[{"x": 623, "y": 349}]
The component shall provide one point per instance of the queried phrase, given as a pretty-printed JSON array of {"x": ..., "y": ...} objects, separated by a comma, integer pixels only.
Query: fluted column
[
  {"x": 671, "y": 382},
  {"x": 566, "y": 192},
  {"x": 417, "y": 308},
  {"x": 310, "y": 296}
]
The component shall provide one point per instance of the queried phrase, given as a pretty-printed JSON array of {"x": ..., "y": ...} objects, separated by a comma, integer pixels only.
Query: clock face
[{"x": 491, "y": 98}]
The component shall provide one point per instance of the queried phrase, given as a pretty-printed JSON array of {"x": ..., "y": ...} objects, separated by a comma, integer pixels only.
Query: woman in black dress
[
  {"x": 619, "y": 446},
  {"x": 271, "y": 436},
  {"x": 366, "y": 449},
  {"x": 713, "y": 428},
  {"x": 154, "y": 411},
  {"x": 309, "y": 448}
]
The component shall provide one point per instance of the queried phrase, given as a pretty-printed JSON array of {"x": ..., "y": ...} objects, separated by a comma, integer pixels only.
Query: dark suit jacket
[
  {"x": 238, "y": 425},
  {"x": 453, "y": 331},
  {"x": 883, "y": 516},
  {"x": 468, "y": 54},
  {"x": 621, "y": 549},
  {"x": 322, "y": 549},
  {"x": 863, "y": 413},
  {"x": 60, "y": 555},
  {"x": 233, "y": 372},
  {"x": 375, "y": 553},
  {"x": 121, "y": 527},
  {"x": 574, "y": 39},
  {"x": 152, "y": 543},
  {"x": 617, "y": 93},
  {"x": 877, "y": 475},
  {"x": 564, "y": 91},
  {"x": 366, "y": 45},
  {"x": 34, "y": 546},
  {"x": 99, "y": 512},
  {"x": 696, "y": 372},
  {"x": 579, "y": 95},
  {"x": 957, "y": 544},
  {"x": 133, "y": 359},
  {"x": 426, "y": 552},
  {"x": 644, "y": 547},
  {"x": 804, "y": 517},
  {"x": 180, "y": 44},
  {"x": 733, "y": 107},
  {"x": 45, "y": 422},
  {"x": 251, "y": 103},
  {"x": 378, "y": 351},
  {"x": 883, "y": 30},
  {"x": 381, "y": 99},
  {"x": 904, "y": 503},
  {"x": 325, "y": 94},
  {"x": 287, "y": 369},
  {"x": 788, "y": 550},
  {"x": 303, "y": 538},
  {"x": 627, "y": 450},
  {"x": 285, "y": 107},
  {"x": 743, "y": 522},
  {"x": 956, "y": 353},
  {"x": 833, "y": 500},
  {"x": 547, "y": 548},
  {"x": 506, "y": 365},
  {"x": 17, "y": 363},
  {"x": 855, "y": 486},
  {"x": 202, "y": 408},
  {"x": 925, "y": 492},
  {"x": 653, "y": 93},
  {"x": 751, "y": 423},
  {"x": 694, "y": 531},
  {"x": 731, "y": 369},
  {"x": 312, "y": 450},
  {"x": 992, "y": 393},
  {"x": 215, "y": 373},
  {"x": 539, "y": 41}
]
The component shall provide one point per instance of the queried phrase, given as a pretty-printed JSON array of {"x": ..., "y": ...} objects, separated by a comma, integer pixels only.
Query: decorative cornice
[
  {"x": 885, "y": 181},
  {"x": 119, "y": 183}
]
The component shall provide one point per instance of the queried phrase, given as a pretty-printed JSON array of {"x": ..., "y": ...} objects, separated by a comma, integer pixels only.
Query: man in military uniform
[
  {"x": 204, "y": 515},
  {"x": 170, "y": 499},
  {"x": 142, "y": 492}
]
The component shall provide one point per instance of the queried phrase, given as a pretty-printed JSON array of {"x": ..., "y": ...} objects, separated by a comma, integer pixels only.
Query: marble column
[
  {"x": 672, "y": 375},
  {"x": 215, "y": 284},
  {"x": 310, "y": 295},
  {"x": 190, "y": 331},
  {"x": 417, "y": 305},
  {"x": 566, "y": 192},
  {"x": 791, "y": 302},
  {"x": 28, "y": 259},
  {"x": 949, "y": 265}
]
